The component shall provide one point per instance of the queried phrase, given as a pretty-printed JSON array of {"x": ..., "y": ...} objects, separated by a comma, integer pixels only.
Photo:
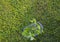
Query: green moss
[{"x": 15, "y": 14}]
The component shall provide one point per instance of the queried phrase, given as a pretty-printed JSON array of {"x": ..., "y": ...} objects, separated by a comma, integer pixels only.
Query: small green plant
[{"x": 32, "y": 31}]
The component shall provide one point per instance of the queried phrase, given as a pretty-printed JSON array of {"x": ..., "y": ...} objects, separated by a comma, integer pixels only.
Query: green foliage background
[{"x": 15, "y": 14}]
